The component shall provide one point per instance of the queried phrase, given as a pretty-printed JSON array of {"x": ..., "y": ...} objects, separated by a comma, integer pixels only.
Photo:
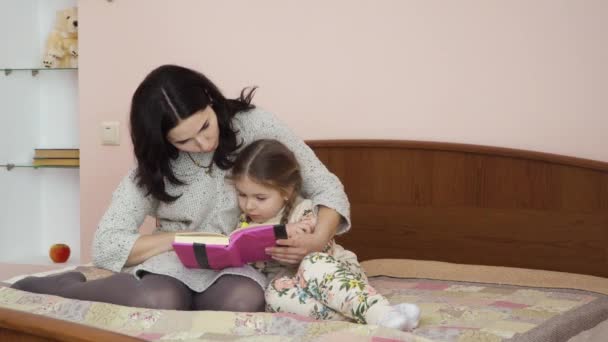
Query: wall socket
[{"x": 110, "y": 134}]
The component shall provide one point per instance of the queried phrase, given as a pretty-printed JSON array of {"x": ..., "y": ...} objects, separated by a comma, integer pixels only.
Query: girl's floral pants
[{"x": 326, "y": 288}]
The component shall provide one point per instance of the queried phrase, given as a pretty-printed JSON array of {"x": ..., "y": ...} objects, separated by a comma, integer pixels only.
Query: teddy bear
[{"x": 62, "y": 44}]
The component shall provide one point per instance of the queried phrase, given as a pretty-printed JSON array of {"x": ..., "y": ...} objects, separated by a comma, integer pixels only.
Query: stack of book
[{"x": 57, "y": 157}]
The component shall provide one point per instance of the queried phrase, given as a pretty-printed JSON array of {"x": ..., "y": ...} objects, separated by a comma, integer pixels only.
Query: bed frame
[
  {"x": 472, "y": 204},
  {"x": 439, "y": 201}
]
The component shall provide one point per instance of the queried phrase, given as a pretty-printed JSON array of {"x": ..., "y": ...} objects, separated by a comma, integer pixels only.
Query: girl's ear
[{"x": 289, "y": 192}]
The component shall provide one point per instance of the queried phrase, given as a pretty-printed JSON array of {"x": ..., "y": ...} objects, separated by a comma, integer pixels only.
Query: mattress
[{"x": 458, "y": 302}]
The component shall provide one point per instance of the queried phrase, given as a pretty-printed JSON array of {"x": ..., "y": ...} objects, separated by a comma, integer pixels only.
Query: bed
[{"x": 494, "y": 244}]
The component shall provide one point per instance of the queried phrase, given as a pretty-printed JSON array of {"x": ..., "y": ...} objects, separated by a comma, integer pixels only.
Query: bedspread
[{"x": 451, "y": 311}]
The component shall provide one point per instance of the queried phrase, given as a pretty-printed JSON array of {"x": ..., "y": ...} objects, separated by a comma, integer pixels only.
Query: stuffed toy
[{"x": 62, "y": 44}]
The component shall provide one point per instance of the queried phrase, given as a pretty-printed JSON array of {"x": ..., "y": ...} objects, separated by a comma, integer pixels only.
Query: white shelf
[
  {"x": 35, "y": 71},
  {"x": 39, "y": 109}
]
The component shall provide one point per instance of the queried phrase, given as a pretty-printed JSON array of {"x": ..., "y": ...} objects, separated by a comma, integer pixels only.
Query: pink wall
[{"x": 519, "y": 74}]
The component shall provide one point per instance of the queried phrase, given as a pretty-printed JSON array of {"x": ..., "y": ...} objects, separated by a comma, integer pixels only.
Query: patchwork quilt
[{"x": 451, "y": 311}]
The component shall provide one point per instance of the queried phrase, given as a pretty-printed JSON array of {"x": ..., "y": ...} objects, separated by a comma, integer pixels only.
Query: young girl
[{"x": 328, "y": 285}]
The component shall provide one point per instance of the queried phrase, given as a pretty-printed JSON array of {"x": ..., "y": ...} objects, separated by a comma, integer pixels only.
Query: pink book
[{"x": 217, "y": 251}]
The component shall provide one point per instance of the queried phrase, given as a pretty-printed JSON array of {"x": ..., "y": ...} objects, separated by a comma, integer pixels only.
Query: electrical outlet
[{"x": 110, "y": 134}]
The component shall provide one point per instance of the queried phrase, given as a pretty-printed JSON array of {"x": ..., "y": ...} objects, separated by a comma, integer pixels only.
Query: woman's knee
[
  {"x": 241, "y": 294},
  {"x": 162, "y": 292}
]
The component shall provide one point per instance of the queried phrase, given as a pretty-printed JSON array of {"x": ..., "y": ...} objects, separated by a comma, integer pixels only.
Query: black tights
[{"x": 154, "y": 291}]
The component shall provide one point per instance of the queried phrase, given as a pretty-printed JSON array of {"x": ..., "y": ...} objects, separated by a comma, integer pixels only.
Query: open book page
[{"x": 202, "y": 237}]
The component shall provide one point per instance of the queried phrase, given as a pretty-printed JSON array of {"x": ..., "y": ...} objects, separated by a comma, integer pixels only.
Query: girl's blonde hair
[{"x": 270, "y": 163}]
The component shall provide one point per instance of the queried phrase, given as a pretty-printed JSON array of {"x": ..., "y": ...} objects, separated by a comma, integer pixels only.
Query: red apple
[{"x": 59, "y": 252}]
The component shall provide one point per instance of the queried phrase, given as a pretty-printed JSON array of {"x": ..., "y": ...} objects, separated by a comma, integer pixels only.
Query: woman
[{"x": 185, "y": 135}]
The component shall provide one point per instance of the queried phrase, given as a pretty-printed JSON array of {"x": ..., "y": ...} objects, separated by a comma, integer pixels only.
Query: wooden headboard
[{"x": 472, "y": 204}]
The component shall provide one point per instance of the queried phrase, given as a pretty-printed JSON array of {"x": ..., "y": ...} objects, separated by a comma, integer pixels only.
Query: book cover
[
  {"x": 217, "y": 251},
  {"x": 56, "y": 153}
]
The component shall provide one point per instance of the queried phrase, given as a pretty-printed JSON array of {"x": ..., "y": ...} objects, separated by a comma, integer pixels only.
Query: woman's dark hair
[
  {"x": 168, "y": 94},
  {"x": 270, "y": 163}
]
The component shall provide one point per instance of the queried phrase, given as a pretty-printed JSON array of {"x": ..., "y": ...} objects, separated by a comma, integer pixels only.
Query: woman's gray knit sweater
[{"x": 207, "y": 203}]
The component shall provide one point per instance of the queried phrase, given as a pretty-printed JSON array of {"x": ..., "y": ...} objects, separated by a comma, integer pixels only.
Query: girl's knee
[
  {"x": 315, "y": 258},
  {"x": 271, "y": 295},
  {"x": 315, "y": 263}
]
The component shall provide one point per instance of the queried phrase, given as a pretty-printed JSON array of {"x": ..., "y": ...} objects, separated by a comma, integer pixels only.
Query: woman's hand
[
  {"x": 152, "y": 244},
  {"x": 292, "y": 250},
  {"x": 306, "y": 226},
  {"x": 295, "y": 248},
  {"x": 149, "y": 245}
]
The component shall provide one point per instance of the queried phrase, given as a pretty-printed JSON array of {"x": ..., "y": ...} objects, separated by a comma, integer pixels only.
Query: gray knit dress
[{"x": 207, "y": 203}]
